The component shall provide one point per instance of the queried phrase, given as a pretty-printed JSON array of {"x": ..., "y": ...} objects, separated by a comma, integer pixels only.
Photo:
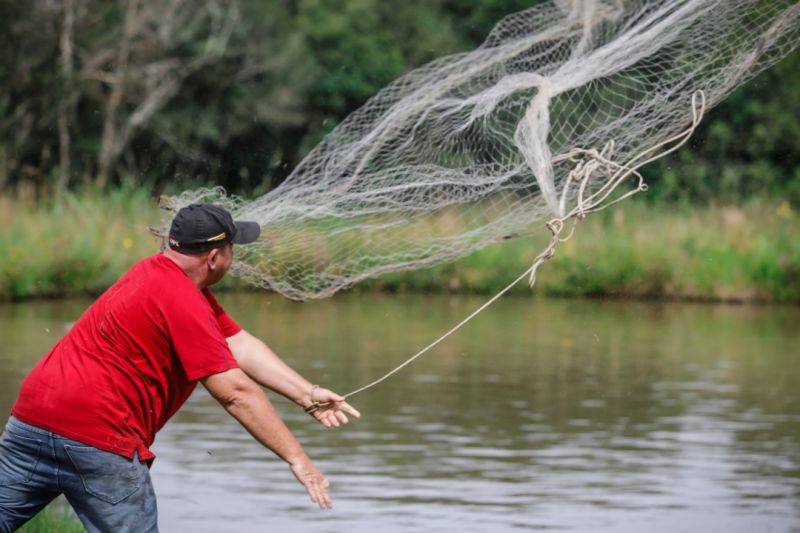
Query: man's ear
[{"x": 213, "y": 258}]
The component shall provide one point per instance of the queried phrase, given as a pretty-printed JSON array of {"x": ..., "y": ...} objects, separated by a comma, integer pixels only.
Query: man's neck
[{"x": 190, "y": 265}]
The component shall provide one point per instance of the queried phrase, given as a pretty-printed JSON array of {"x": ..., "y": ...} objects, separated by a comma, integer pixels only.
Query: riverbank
[{"x": 82, "y": 243}]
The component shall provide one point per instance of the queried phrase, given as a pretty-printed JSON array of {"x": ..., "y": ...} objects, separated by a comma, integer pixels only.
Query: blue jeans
[{"x": 109, "y": 492}]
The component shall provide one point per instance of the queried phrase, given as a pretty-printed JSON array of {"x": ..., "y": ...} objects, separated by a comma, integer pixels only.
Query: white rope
[{"x": 443, "y": 337}]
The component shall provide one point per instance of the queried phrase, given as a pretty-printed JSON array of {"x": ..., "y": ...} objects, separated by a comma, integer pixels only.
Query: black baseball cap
[{"x": 201, "y": 227}]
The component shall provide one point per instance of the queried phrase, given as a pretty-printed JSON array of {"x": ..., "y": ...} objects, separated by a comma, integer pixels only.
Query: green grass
[
  {"x": 75, "y": 244},
  {"x": 636, "y": 250},
  {"x": 82, "y": 243},
  {"x": 58, "y": 517}
]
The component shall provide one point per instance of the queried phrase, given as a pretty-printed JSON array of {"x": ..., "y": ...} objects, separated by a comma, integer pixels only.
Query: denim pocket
[
  {"x": 105, "y": 475},
  {"x": 18, "y": 458}
]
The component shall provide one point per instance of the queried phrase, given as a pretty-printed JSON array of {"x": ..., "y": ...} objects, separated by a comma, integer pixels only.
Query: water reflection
[{"x": 601, "y": 416}]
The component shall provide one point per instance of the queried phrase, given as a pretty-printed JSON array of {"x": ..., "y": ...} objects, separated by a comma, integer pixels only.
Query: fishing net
[{"x": 480, "y": 147}]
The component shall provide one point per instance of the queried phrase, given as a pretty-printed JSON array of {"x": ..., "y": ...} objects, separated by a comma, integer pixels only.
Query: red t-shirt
[{"x": 130, "y": 361}]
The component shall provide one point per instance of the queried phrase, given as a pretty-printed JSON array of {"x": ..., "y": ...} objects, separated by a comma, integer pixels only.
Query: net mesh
[{"x": 468, "y": 150}]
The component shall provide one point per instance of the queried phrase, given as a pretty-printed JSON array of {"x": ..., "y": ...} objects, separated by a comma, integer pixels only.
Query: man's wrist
[
  {"x": 298, "y": 459},
  {"x": 306, "y": 398}
]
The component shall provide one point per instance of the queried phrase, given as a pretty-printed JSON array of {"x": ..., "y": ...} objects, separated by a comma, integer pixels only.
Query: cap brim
[{"x": 246, "y": 232}]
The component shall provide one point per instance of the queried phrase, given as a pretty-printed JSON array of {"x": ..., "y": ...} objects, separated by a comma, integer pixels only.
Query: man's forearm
[
  {"x": 248, "y": 404},
  {"x": 264, "y": 367}
]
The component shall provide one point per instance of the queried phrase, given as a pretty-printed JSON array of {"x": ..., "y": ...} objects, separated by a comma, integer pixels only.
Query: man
[{"x": 88, "y": 412}]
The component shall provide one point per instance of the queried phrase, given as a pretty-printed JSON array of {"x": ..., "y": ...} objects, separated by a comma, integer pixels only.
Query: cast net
[{"x": 476, "y": 148}]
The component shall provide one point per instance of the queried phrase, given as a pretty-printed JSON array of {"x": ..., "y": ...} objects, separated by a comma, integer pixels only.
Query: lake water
[{"x": 539, "y": 415}]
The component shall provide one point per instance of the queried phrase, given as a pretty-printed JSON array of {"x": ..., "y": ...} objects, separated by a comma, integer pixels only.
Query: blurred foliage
[
  {"x": 79, "y": 243},
  {"x": 748, "y": 146},
  {"x": 177, "y": 93}
]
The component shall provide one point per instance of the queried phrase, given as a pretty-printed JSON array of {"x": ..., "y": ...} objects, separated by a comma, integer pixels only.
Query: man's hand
[
  {"x": 315, "y": 483},
  {"x": 333, "y": 410}
]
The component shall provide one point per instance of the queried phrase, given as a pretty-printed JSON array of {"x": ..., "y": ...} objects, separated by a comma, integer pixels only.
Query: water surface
[{"x": 563, "y": 415}]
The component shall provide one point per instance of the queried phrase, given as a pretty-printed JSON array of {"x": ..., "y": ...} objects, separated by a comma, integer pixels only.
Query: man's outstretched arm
[
  {"x": 247, "y": 403},
  {"x": 259, "y": 362}
]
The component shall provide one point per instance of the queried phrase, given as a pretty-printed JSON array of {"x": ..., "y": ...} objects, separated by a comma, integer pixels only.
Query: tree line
[{"x": 174, "y": 93}]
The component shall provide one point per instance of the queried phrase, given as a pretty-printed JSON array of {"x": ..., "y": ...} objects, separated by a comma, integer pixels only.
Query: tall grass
[
  {"x": 72, "y": 244},
  {"x": 748, "y": 253},
  {"x": 82, "y": 243}
]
